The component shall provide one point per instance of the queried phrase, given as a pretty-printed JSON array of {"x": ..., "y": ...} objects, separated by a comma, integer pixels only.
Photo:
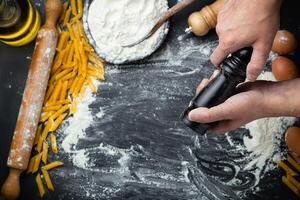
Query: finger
[
  {"x": 205, "y": 81},
  {"x": 225, "y": 126},
  {"x": 224, "y": 49},
  {"x": 257, "y": 63},
  {"x": 214, "y": 75},
  {"x": 202, "y": 85},
  {"x": 218, "y": 55},
  {"x": 207, "y": 115}
]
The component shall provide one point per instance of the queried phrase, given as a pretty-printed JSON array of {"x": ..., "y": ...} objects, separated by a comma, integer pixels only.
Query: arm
[
  {"x": 244, "y": 23},
  {"x": 255, "y": 100}
]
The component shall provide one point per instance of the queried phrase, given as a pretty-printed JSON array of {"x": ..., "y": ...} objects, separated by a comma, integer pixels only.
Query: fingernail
[{"x": 190, "y": 116}]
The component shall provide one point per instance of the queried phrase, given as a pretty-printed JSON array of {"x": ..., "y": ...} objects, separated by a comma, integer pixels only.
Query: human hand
[
  {"x": 253, "y": 100},
  {"x": 243, "y": 23}
]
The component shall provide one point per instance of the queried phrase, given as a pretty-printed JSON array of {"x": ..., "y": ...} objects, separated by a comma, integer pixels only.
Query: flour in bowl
[{"x": 113, "y": 23}]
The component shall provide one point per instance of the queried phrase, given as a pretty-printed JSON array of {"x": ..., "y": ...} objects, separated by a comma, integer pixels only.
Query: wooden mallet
[{"x": 32, "y": 101}]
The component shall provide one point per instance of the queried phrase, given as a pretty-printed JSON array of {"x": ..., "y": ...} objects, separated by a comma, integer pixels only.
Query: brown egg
[
  {"x": 292, "y": 139},
  {"x": 284, "y": 43},
  {"x": 284, "y": 69}
]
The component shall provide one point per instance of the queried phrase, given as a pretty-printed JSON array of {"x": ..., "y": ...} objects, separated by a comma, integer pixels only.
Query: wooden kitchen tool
[
  {"x": 32, "y": 101},
  {"x": 165, "y": 17},
  {"x": 202, "y": 21}
]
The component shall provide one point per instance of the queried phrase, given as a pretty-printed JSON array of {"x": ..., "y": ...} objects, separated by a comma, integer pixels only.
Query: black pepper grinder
[{"x": 233, "y": 72}]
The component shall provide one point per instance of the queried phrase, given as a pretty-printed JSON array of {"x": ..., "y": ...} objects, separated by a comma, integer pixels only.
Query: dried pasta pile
[
  {"x": 292, "y": 169},
  {"x": 74, "y": 67}
]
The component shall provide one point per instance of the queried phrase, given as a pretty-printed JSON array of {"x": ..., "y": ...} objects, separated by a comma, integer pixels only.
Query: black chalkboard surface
[{"x": 139, "y": 148}]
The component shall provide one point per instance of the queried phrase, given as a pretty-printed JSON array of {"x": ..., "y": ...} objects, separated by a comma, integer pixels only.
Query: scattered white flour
[
  {"x": 114, "y": 23},
  {"x": 266, "y": 134},
  {"x": 264, "y": 140},
  {"x": 81, "y": 120}
]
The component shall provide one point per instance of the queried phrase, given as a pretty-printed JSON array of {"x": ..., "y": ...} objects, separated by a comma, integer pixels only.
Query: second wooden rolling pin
[{"x": 32, "y": 101}]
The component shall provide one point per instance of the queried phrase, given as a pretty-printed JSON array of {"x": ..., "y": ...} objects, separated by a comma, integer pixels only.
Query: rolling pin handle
[
  {"x": 11, "y": 187},
  {"x": 53, "y": 8}
]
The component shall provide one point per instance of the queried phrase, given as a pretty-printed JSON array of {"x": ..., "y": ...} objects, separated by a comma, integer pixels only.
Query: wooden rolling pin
[
  {"x": 202, "y": 21},
  {"x": 32, "y": 101}
]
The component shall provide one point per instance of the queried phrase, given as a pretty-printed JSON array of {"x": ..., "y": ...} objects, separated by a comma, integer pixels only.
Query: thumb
[{"x": 207, "y": 115}]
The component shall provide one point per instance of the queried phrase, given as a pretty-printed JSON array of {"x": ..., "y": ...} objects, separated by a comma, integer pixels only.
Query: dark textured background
[{"x": 142, "y": 122}]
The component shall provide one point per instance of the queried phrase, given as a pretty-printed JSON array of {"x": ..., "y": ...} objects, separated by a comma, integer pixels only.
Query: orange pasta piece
[
  {"x": 62, "y": 41},
  {"x": 52, "y": 165},
  {"x": 59, "y": 112},
  {"x": 45, "y": 153},
  {"x": 92, "y": 85},
  {"x": 56, "y": 92},
  {"x": 50, "y": 108},
  {"x": 63, "y": 14},
  {"x": 48, "y": 180},
  {"x": 53, "y": 143},
  {"x": 40, "y": 185},
  {"x": 37, "y": 162},
  {"x": 57, "y": 122},
  {"x": 64, "y": 90},
  {"x": 45, "y": 116},
  {"x": 38, "y": 134},
  {"x": 73, "y": 7},
  {"x": 46, "y": 129},
  {"x": 67, "y": 17}
]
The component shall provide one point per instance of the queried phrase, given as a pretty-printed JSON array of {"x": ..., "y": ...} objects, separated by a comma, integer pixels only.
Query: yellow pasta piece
[
  {"x": 62, "y": 41},
  {"x": 63, "y": 13},
  {"x": 78, "y": 86},
  {"x": 93, "y": 58},
  {"x": 45, "y": 116},
  {"x": 72, "y": 34},
  {"x": 53, "y": 143},
  {"x": 45, "y": 153},
  {"x": 59, "y": 103},
  {"x": 286, "y": 168},
  {"x": 57, "y": 122},
  {"x": 38, "y": 134},
  {"x": 70, "y": 55},
  {"x": 73, "y": 107},
  {"x": 66, "y": 54},
  {"x": 73, "y": 85},
  {"x": 48, "y": 180},
  {"x": 69, "y": 76},
  {"x": 96, "y": 69},
  {"x": 50, "y": 108},
  {"x": 99, "y": 76},
  {"x": 59, "y": 112},
  {"x": 56, "y": 92},
  {"x": 67, "y": 17},
  {"x": 82, "y": 91},
  {"x": 62, "y": 74},
  {"x": 52, "y": 165},
  {"x": 296, "y": 158},
  {"x": 293, "y": 181},
  {"x": 49, "y": 92},
  {"x": 79, "y": 7},
  {"x": 73, "y": 7},
  {"x": 31, "y": 164},
  {"x": 39, "y": 144},
  {"x": 290, "y": 185},
  {"x": 92, "y": 85},
  {"x": 47, "y": 128},
  {"x": 293, "y": 163},
  {"x": 57, "y": 64},
  {"x": 37, "y": 162},
  {"x": 40, "y": 185},
  {"x": 64, "y": 90}
]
